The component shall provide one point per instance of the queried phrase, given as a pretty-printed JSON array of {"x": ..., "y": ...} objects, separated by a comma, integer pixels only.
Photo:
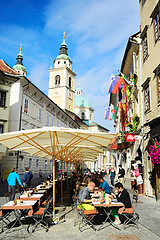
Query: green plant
[
  {"x": 134, "y": 78},
  {"x": 128, "y": 91},
  {"x": 136, "y": 121},
  {"x": 130, "y": 126}
]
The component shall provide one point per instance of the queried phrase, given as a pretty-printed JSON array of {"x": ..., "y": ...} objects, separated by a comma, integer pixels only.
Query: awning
[{"x": 61, "y": 143}]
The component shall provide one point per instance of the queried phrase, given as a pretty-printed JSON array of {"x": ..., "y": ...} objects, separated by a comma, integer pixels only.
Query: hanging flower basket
[{"x": 154, "y": 153}]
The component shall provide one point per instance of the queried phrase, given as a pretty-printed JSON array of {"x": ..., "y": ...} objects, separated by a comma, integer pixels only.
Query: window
[
  {"x": 83, "y": 115},
  {"x": 70, "y": 82},
  {"x": 45, "y": 164},
  {"x": 57, "y": 81},
  {"x": 25, "y": 105},
  {"x": 58, "y": 62},
  {"x": 37, "y": 163},
  {"x": 158, "y": 87},
  {"x": 33, "y": 111},
  {"x": 47, "y": 119},
  {"x": 157, "y": 26},
  {"x": 1, "y": 128},
  {"x": 57, "y": 123},
  {"x": 146, "y": 98},
  {"x": 145, "y": 47},
  {"x": 30, "y": 163},
  {"x": 52, "y": 121},
  {"x": 40, "y": 114},
  {"x": 64, "y": 62},
  {"x": 2, "y": 98}
]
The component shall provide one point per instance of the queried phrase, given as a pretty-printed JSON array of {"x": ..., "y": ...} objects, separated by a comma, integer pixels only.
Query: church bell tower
[{"x": 61, "y": 80}]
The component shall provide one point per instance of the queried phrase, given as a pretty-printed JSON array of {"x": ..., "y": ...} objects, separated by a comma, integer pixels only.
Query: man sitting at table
[
  {"x": 122, "y": 196},
  {"x": 103, "y": 185},
  {"x": 84, "y": 196}
]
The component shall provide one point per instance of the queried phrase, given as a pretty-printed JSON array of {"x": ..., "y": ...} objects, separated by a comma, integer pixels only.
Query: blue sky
[{"x": 97, "y": 32}]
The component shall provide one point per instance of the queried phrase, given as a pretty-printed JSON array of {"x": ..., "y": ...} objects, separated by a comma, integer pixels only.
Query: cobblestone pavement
[{"x": 148, "y": 209}]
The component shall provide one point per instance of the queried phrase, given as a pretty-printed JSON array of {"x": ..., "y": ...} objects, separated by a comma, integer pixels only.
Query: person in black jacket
[
  {"x": 122, "y": 196},
  {"x": 121, "y": 174}
]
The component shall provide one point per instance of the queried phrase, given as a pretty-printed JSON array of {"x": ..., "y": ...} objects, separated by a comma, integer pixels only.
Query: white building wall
[{"x": 15, "y": 106}]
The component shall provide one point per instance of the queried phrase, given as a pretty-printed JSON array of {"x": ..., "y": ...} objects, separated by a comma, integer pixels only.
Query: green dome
[
  {"x": 81, "y": 101},
  {"x": 19, "y": 67},
  {"x": 63, "y": 56}
]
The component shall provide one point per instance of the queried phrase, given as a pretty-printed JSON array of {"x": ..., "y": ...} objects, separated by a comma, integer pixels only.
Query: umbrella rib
[
  {"x": 72, "y": 145},
  {"x": 90, "y": 140},
  {"x": 40, "y": 147}
]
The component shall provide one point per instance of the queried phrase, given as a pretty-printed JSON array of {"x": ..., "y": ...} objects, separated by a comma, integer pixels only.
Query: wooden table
[
  {"x": 22, "y": 210},
  {"x": 107, "y": 208},
  {"x": 33, "y": 197}
]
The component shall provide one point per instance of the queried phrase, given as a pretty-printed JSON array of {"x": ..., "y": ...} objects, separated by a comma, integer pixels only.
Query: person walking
[
  {"x": 112, "y": 176},
  {"x": 12, "y": 180},
  {"x": 27, "y": 178},
  {"x": 121, "y": 174}
]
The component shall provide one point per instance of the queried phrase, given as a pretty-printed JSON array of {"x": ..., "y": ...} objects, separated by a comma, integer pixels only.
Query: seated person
[
  {"x": 122, "y": 195},
  {"x": 103, "y": 185},
  {"x": 84, "y": 196}
]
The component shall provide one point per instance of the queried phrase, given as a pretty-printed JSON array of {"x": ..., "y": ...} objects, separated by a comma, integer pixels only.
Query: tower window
[
  {"x": 2, "y": 98},
  {"x": 70, "y": 82},
  {"x": 57, "y": 81},
  {"x": 58, "y": 62},
  {"x": 83, "y": 115},
  {"x": 64, "y": 62}
]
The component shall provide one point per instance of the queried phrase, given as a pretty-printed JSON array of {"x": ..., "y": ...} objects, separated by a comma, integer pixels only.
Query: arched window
[
  {"x": 83, "y": 115},
  {"x": 70, "y": 82},
  {"x": 57, "y": 81}
]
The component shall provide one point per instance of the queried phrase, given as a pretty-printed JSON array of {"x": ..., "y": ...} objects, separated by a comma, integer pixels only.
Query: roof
[
  {"x": 6, "y": 68},
  {"x": 81, "y": 101},
  {"x": 63, "y": 56},
  {"x": 19, "y": 67}
]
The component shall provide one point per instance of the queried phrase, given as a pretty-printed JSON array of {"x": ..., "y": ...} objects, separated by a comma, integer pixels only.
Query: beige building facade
[{"x": 150, "y": 35}]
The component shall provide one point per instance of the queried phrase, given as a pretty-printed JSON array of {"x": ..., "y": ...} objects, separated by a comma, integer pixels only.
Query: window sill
[{"x": 3, "y": 107}]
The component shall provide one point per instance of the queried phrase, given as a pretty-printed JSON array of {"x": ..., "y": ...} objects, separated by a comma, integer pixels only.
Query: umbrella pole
[
  {"x": 61, "y": 181},
  {"x": 67, "y": 176},
  {"x": 54, "y": 192}
]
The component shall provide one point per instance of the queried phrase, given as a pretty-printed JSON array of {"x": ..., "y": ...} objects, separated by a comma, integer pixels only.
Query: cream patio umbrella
[{"x": 69, "y": 145}]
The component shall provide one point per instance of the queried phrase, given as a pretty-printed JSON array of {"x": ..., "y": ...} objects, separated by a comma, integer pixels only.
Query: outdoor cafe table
[
  {"x": 47, "y": 187},
  {"x": 25, "y": 208},
  {"x": 32, "y": 197},
  {"x": 40, "y": 191},
  {"x": 107, "y": 209}
]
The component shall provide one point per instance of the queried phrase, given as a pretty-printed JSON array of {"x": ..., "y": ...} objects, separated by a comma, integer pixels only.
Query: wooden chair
[
  {"x": 129, "y": 217},
  {"x": 86, "y": 216},
  {"x": 39, "y": 216}
]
